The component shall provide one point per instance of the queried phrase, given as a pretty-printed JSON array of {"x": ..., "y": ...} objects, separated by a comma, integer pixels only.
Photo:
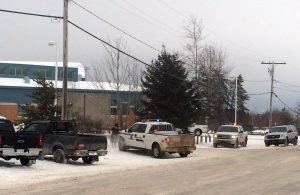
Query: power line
[
  {"x": 31, "y": 14},
  {"x": 149, "y": 16},
  {"x": 110, "y": 45},
  {"x": 208, "y": 29},
  {"x": 114, "y": 26},
  {"x": 289, "y": 84},
  {"x": 289, "y": 90},
  {"x": 119, "y": 50},
  {"x": 145, "y": 19},
  {"x": 253, "y": 81},
  {"x": 285, "y": 104}
]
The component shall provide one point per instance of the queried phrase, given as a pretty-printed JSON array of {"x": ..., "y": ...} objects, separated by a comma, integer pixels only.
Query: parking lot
[{"x": 249, "y": 160}]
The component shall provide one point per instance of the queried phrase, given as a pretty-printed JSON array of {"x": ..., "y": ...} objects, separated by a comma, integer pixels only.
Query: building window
[
  {"x": 42, "y": 72},
  {"x": 16, "y": 71},
  {"x": 113, "y": 110}
]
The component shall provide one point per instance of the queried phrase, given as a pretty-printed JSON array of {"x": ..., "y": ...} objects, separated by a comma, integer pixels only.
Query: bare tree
[
  {"x": 115, "y": 72},
  {"x": 193, "y": 48}
]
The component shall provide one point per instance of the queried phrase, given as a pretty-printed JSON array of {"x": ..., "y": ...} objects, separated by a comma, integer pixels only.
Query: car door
[
  {"x": 129, "y": 135},
  {"x": 140, "y": 136},
  {"x": 290, "y": 133}
]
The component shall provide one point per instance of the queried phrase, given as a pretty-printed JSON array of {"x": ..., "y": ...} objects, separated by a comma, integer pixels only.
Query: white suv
[
  {"x": 283, "y": 134},
  {"x": 198, "y": 129}
]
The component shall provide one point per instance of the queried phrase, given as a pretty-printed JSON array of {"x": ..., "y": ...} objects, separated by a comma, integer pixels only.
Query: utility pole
[
  {"x": 64, "y": 112},
  {"x": 271, "y": 71},
  {"x": 235, "y": 107}
]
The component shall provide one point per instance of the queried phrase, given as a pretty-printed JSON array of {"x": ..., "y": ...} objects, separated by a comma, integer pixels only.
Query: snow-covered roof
[
  {"x": 79, "y": 85},
  {"x": 77, "y": 65}
]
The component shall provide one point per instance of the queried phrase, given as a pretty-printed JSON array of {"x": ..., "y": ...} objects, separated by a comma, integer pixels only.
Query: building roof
[
  {"x": 77, "y": 65},
  {"x": 79, "y": 85}
]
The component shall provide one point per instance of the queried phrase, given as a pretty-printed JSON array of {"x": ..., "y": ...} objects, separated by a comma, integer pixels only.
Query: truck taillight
[
  {"x": 167, "y": 140},
  {"x": 78, "y": 145},
  {"x": 40, "y": 142}
]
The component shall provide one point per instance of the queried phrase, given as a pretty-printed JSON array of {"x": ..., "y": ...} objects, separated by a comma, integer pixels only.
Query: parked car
[
  {"x": 157, "y": 137},
  {"x": 62, "y": 140},
  {"x": 283, "y": 134},
  {"x": 25, "y": 147},
  {"x": 198, "y": 129},
  {"x": 230, "y": 135}
]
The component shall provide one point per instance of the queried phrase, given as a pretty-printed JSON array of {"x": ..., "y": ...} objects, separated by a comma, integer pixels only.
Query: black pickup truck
[
  {"x": 62, "y": 140},
  {"x": 25, "y": 147}
]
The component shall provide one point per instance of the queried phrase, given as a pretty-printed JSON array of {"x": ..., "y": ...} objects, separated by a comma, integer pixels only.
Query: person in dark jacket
[{"x": 115, "y": 135}]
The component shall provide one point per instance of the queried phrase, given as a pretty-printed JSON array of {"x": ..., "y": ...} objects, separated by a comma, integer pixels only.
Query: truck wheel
[
  {"x": 87, "y": 160},
  {"x": 121, "y": 144},
  {"x": 198, "y": 132},
  {"x": 267, "y": 144},
  {"x": 156, "y": 152},
  {"x": 25, "y": 162},
  {"x": 183, "y": 154},
  {"x": 295, "y": 142},
  {"x": 276, "y": 144},
  {"x": 74, "y": 158},
  {"x": 6, "y": 158},
  {"x": 286, "y": 142},
  {"x": 59, "y": 156},
  {"x": 245, "y": 142},
  {"x": 236, "y": 145},
  {"x": 215, "y": 145}
]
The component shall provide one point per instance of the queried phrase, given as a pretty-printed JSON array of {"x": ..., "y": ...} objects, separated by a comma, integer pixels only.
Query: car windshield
[
  {"x": 278, "y": 129},
  {"x": 227, "y": 129}
]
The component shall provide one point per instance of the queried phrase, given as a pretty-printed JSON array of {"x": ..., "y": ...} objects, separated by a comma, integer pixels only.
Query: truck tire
[
  {"x": 215, "y": 145},
  {"x": 6, "y": 158},
  {"x": 156, "y": 152},
  {"x": 87, "y": 160},
  {"x": 286, "y": 142},
  {"x": 295, "y": 142},
  {"x": 121, "y": 144},
  {"x": 245, "y": 142},
  {"x": 59, "y": 156},
  {"x": 267, "y": 144},
  {"x": 198, "y": 132},
  {"x": 236, "y": 145},
  {"x": 74, "y": 158},
  {"x": 183, "y": 154},
  {"x": 25, "y": 162}
]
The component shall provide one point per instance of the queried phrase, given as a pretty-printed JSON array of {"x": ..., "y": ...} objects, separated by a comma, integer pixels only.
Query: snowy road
[{"x": 12, "y": 174}]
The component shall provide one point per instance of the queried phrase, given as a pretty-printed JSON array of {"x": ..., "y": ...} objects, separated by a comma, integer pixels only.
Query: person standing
[{"x": 115, "y": 135}]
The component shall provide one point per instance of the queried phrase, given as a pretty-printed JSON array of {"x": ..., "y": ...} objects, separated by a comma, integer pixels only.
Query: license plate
[
  {"x": 20, "y": 151},
  {"x": 93, "y": 153}
]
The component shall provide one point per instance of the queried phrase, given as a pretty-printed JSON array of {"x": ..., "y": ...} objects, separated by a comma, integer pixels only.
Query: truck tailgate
[
  {"x": 26, "y": 140},
  {"x": 181, "y": 141},
  {"x": 93, "y": 142}
]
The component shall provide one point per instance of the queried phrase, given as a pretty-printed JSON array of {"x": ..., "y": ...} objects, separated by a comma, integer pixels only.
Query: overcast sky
[{"x": 249, "y": 31}]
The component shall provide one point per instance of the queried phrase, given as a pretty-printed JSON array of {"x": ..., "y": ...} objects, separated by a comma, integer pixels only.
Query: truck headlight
[
  {"x": 215, "y": 135},
  {"x": 233, "y": 136}
]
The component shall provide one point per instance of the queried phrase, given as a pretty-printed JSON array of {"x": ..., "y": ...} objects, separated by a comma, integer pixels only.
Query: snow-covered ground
[{"x": 12, "y": 173}]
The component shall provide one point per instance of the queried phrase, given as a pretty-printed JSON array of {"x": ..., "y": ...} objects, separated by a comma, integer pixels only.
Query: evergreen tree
[
  {"x": 42, "y": 107},
  {"x": 169, "y": 94}
]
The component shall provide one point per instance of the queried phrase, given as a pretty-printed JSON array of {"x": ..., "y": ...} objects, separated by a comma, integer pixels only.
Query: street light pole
[{"x": 52, "y": 43}]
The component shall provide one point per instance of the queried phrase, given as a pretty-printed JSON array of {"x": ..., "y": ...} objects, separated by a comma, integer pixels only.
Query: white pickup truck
[{"x": 158, "y": 137}]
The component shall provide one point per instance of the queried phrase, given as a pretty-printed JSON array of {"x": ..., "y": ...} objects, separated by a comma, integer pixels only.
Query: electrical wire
[
  {"x": 288, "y": 84},
  {"x": 31, "y": 14},
  {"x": 285, "y": 103},
  {"x": 110, "y": 45},
  {"x": 205, "y": 27},
  {"x": 145, "y": 19},
  {"x": 114, "y": 26}
]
